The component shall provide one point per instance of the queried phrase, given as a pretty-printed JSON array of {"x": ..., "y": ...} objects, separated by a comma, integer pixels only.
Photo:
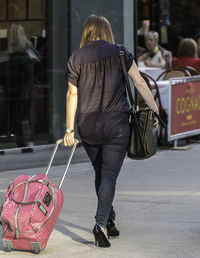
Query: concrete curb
[
  {"x": 38, "y": 156},
  {"x": 25, "y": 149}
]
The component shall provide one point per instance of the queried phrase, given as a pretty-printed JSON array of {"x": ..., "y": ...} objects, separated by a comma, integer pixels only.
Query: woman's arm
[
  {"x": 71, "y": 107},
  {"x": 142, "y": 88}
]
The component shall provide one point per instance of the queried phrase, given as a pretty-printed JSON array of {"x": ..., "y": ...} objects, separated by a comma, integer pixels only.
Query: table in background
[
  {"x": 154, "y": 72},
  {"x": 164, "y": 87}
]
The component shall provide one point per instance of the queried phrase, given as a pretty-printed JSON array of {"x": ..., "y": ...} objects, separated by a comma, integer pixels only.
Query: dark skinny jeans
[{"x": 107, "y": 159}]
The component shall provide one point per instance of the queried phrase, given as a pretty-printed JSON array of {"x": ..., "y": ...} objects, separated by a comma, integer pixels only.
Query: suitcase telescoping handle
[{"x": 58, "y": 142}]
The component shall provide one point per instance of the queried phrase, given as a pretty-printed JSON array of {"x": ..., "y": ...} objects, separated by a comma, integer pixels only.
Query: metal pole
[
  {"x": 175, "y": 143},
  {"x": 58, "y": 142},
  {"x": 68, "y": 163},
  {"x": 135, "y": 27},
  {"x": 69, "y": 28}
]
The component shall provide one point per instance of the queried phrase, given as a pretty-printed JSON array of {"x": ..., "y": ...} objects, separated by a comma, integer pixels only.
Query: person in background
[
  {"x": 197, "y": 39},
  {"x": 187, "y": 54},
  {"x": 144, "y": 29},
  {"x": 155, "y": 56},
  {"x": 22, "y": 57},
  {"x": 96, "y": 85}
]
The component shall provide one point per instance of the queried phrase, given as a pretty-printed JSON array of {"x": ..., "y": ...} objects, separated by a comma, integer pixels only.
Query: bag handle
[
  {"x": 26, "y": 183},
  {"x": 58, "y": 142}
]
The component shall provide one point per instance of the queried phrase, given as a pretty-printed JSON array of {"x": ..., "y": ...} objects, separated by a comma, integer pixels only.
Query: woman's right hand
[
  {"x": 69, "y": 139},
  {"x": 156, "y": 123}
]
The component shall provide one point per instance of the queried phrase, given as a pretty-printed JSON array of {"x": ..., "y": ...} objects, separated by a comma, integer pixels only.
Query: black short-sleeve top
[{"x": 95, "y": 69}]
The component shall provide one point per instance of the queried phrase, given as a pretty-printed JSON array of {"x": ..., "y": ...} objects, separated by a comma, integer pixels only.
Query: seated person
[
  {"x": 155, "y": 56},
  {"x": 197, "y": 38},
  {"x": 187, "y": 54}
]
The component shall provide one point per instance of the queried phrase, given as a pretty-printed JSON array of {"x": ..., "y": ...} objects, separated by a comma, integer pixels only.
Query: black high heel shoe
[
  {"x": 101, "y": 239},
  {"x": 112, "y": 229}
]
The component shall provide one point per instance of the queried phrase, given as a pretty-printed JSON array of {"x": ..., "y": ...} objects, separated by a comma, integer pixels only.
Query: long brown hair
[
  {"x": 187, "y": 47},
  {"x": 96, "y": 27}
]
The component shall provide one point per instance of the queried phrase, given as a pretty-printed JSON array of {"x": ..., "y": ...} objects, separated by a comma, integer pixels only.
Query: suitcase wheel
[
  {"x": 7, "y": 245},
  {"x": 36, "y": 251},
  {"x": 7, "y": 249},
  {"x": 36, "y": 247}
]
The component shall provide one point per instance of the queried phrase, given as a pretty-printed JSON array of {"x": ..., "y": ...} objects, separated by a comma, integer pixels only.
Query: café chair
[
  {"x": 156, "y": 94},
  {"x": 173, "y": 72},
  {"x": 191, "y": 70}
]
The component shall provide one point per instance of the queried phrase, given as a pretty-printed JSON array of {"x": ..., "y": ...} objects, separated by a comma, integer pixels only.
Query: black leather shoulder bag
[{"x": 143, "y": 135}]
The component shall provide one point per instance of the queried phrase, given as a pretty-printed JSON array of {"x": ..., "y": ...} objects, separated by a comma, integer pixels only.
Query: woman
[
  {"x": 187, "y": 54},
  {"x": 155, "y": 55},
  {"x": 95, "y": 82}
]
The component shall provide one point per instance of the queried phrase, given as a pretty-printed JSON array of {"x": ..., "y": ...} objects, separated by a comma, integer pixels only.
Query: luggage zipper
[{"x": 16, "y": 216}]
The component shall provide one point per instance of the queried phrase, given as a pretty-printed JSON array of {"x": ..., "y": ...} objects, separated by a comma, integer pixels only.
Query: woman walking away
[{"x": 96, "y": 83}]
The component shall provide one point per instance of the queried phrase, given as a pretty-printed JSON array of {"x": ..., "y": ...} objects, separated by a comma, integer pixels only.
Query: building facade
[{"x": 38, "y": 36}]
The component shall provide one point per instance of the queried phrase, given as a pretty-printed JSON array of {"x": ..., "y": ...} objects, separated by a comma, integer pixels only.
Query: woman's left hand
[{"x": 69, "y": 139}]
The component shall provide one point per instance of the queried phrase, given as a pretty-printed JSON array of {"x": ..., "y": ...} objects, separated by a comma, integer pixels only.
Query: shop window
[
  {"x": 36, "y": 9},
  {"x": 2, "y": 10},
  {"x": 143, "y": 10},
  {"x": 16, "y": 9},
  {"x": 24, "y": 90},
  {"x": 22, "y": 10}
]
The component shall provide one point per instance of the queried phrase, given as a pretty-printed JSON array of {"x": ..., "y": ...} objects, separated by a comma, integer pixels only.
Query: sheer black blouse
[{"x": 102, "y": 103}]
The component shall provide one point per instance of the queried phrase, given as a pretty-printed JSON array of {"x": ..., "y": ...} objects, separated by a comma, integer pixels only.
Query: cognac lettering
[
  {"x": 185, "y": 108},
  {"x": 187, "y": 104}
]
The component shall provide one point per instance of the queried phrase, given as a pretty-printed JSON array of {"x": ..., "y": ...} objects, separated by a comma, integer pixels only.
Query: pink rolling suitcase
[{"x": 31, "y": 209}]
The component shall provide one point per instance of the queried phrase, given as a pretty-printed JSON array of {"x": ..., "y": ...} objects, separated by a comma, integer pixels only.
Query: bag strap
[{"x": 128, "y": 86}]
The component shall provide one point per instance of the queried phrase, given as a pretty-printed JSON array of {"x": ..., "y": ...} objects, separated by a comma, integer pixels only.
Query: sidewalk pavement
[
  {"x": 38, "y": 156},
  {"x": 157, "y": 203}
]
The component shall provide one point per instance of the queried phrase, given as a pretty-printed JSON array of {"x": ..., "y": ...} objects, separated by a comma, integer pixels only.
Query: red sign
[{"x": 185, "y": 107}]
